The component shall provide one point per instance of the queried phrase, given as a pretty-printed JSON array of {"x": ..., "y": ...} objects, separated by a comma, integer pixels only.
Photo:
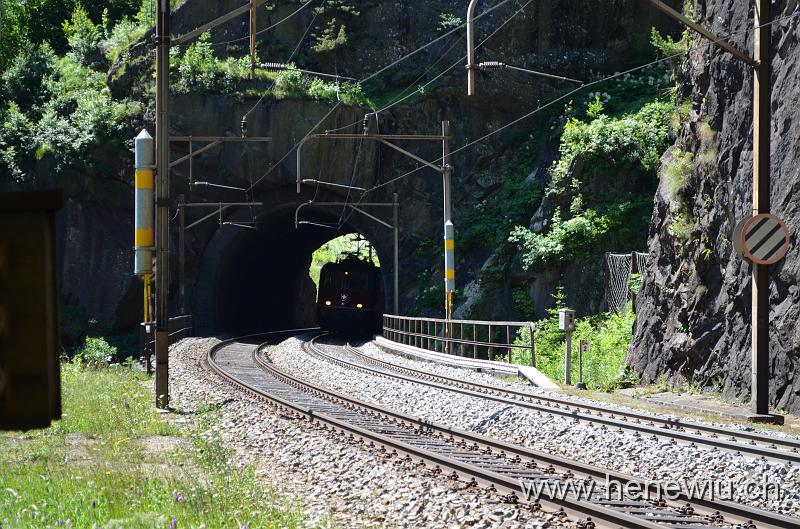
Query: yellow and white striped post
[
  {"x": 449, "y": 258},
  {"x": 449, "y": 271},
  {"x": 449, "y": 238},
  {"x": 143, "y": 213}
]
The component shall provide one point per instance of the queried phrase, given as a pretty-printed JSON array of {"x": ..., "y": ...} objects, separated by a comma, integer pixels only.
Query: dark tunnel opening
[{"x": 257, "y": 280}]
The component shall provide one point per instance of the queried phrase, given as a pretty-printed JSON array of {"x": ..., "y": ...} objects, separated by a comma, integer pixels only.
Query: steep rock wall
[{"x": 694, "y": 312}]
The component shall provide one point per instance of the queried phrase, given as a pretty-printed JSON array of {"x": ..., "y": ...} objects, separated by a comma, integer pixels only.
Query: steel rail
[
  {"x": 634, "y": 515},
  {"x": 743, "y": 514},
  {"x": 628, "y": 420},
  {"x": 477, "y": 473}
]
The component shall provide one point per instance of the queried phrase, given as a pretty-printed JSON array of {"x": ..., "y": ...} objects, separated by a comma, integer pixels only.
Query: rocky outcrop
[{"x": 693, "y": 321}]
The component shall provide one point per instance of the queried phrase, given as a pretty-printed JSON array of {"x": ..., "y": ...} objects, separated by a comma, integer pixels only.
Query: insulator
[
  {"x": 491, "y": 66},
  {"x": 244, "y": 127},
  {"x": 273, "y": 66}
]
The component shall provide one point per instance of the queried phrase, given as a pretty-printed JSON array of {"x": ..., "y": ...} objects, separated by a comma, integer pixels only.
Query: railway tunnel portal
[{"x": 252, "y": 279}]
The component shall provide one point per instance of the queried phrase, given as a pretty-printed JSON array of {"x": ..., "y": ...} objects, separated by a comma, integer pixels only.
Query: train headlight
[
  {"x": 327, "y": 303},
  {"x": 359, "y": 306}
]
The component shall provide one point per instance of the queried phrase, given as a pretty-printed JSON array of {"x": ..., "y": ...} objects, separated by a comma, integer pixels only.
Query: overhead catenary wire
[
  {"x": 399, "y": 100},
  {"x": 459, "y": 61},
  {"x": 403, "y": 95},
  {"x": 291, "y": 55},
  {"x": 376, "y": 113},
  {"x": 269, "y": 28},
  {"x": 564, "y": 97},
  {"x": 372, "y": 76},
  {"x": 249, "y": 191},
  {"x": 522, "y": 118}
]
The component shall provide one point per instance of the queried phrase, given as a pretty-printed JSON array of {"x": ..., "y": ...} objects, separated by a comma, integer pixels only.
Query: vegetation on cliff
[
  {"x": 59, "y": 109},
  {"x": 600, "y": 206}
]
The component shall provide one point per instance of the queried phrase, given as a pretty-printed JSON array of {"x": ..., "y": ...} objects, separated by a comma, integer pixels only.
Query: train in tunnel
[{"x": 350, "y": 297}]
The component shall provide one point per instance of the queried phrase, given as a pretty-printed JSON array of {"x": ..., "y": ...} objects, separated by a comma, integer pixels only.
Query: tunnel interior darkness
[{"x": 257, "y": 280}]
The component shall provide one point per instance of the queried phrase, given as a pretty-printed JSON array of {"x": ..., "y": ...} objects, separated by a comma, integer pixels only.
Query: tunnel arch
[{"x": 252, "y": 280}]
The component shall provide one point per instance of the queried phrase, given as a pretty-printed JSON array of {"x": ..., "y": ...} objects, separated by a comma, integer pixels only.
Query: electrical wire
[
  {"x": 566, "y": 96},
  {"x": 292, "y": 149},
  {"x": 402, "y": 96},
  {"x": 394, "y": 63},
  {"x": 291, "y": 56},
  {"x": 448, "y": 69},
  {"x": 273, "y": 26},
  {"x": 375, "y": 74},
  {"x": 352, "y": 181},
  {"x": 460, "y": 60},
  {"x": 249, "y": 195}
]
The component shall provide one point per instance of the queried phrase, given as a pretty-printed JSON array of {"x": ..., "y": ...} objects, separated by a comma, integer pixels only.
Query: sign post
[
  {"x": 583, "y": 350},
  {"x": 566, "y": 322}
]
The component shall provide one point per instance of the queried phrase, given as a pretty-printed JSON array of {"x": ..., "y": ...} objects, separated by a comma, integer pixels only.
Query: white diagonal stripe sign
[{"x": 765, "y": 239}]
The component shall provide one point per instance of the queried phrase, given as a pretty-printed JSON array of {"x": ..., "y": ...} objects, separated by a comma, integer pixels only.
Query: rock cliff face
[{"x": 693, "y": 321}]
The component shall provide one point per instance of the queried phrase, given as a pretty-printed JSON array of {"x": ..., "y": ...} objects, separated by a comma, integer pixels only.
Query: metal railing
[
  {"x": 180, "y": 327},
  {"x": 469, "y": 338}
]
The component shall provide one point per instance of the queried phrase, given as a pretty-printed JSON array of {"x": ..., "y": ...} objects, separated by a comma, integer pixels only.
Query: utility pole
[
  {"x": 395, "y": 278},
  {"x": 762, "y": 119},
  {"x": 253, "y": 7},
  {"x": 182, "y": 253},
  {"x": 449, "y": 234},
  {"x": 162, "y": 204}
]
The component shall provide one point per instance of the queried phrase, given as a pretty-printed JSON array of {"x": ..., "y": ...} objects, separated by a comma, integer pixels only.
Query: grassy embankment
[{"x": 112, "y": 461}]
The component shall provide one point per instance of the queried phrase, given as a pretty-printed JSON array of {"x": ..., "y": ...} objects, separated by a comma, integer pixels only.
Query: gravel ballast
[
  {"x": 336, "y": 482},
  {"x": 652, "y": 459}
]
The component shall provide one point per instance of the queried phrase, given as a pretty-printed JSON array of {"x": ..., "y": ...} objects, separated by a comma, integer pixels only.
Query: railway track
[
  {"x": 641, "y": 423},
  {"x": 476, "y": 459}
]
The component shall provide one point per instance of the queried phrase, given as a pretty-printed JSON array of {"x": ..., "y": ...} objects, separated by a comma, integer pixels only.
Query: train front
[{"x": 348, "y": 297}]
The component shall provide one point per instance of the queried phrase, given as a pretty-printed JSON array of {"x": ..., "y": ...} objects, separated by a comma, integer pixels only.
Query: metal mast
[
  {"x": 762, "y": 119},
  {"x": 162, "y": 204}
]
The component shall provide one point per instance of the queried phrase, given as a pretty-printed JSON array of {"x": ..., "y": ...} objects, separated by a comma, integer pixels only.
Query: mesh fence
[{"x": 619, "y": 272}]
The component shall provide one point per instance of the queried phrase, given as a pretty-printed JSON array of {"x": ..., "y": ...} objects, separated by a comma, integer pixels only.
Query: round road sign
[{"x": 762, "y": 239}]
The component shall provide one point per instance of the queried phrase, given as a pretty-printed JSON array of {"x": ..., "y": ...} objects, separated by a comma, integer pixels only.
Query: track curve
[{"x": 471, "y": 457}]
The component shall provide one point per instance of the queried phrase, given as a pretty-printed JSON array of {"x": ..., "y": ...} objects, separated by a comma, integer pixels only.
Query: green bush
[
  {"x": 290, "y": 84},
  {"x": 488, "y": 224},
  {"x": 632, "y": 143},
  {"x": 16, "y": 150},
  {"x": 331, "y": 38},
  {"x": 83, "y": 37},
  {"x": 61, "y": 107},
  {"x": 609, "y": 337},
  {"x": 449, "y": 21},
  {"x": 606, "y": 144},
  {"x": 120, "y": 37},
  {"x": 570, "y": 239},
  {"x": 24, "y": 80},
  {"x": 198, "y": 70},
  {"x": 676, "y": 172},
  {"x": 96, "y": 352},
  {"x": 522, "y": 302},
  {"x": 668, "y": 47}
]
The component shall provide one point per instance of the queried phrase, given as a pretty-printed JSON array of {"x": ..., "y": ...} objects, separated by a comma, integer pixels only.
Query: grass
[{"x": 113, "y": 462}]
